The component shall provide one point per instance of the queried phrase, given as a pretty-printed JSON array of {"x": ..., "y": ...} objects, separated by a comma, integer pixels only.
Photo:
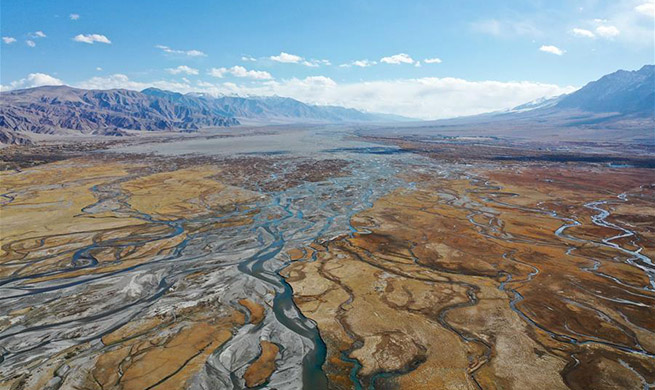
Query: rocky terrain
[{"x": 58, "y": 108}]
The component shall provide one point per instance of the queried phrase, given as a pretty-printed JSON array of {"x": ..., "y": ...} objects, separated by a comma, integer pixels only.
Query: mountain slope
[
  {"x": 617, "y": 107},
  {"x": 624, "y": 92},
  {"x": 273, "y": 108},
  {"x": 55, "y": 108}
]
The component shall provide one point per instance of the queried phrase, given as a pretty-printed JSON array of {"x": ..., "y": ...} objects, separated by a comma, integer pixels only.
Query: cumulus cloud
[
  {"x": 647, "y": 9},
  {"x": 248, "y": 59},
  {"x": 8, "y": 40},
  {"x": 91, "y": 38},
  {"x": 552, "y": 50},
  {"x": 30, "y": 43},
  {"x": 581, "y": 32},
  {"x": 434, "y": 60},
  {"x": 119, "y": 80},
  {"x": 287, "y": 58},
  {"x": 316, "y": 63},
  {"x": 183, "y": 69},
  {"x": 37, "y": 34},
  {"x": 240, "y": 71},
  {"x": 506, "y": 28},
  {"x": 99, "y": 69},
  {"x": 396, "y": 59},
  {"x": 189, "y": 53},
  {"x": 363, "y": 63},
  {"x": 358, "y": 63},
  {"x": 607, "y": 31},
  {"x": 32, "y": 80},
  {"x": 74, "y": 16}
]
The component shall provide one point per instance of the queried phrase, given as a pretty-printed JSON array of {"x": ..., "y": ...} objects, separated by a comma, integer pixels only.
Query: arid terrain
[{"x": 339, "y": 260}]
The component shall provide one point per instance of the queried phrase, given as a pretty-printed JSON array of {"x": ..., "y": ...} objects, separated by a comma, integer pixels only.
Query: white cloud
[
  {"x": 506, "y": 28},
  {"x": 433, "y": 60},
  {"x": 647, "y": 9},
  {"x": 8, "y": 40},
  {"x": 316, "y": 63},
  {"x": 189, "y": 53},
  {"x": 37, "y": 34},
  {"x": 626, "y": 25},
  {"x": 74, "y": 16},
  {"x": 396, "y": 59},
  {"x": 99, "y": 69},
  {"x": 122, "y": 81},
  {"x": 287, "y": 58},
  {"x": 91, "y": 38},
  {"x": 607, "y": 31},
  {"x": 358, "y": 63},
  {"x": 30, "y": 43},
  {"x": 248, "y": 59},
  {"x": 240, "y": 71},
  {"x": 363, "y": 63},
  {"x": 32, "y": 80},
  {"x": 552, "y": 49},
  {"x": 183, "y": 69},
  {"x": 427, "y": 98},
  {"x": 581, "y": 32}
]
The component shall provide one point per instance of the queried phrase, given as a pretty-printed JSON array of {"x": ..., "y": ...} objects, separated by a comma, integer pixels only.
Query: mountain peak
[{"x": 624, "y": 92}]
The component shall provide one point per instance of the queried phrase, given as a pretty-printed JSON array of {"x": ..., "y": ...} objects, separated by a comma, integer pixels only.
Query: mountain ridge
[{"x": 57, "y": 109}]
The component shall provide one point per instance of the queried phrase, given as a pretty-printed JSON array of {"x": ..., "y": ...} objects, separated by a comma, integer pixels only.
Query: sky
[{"x": 423, "y": 59}]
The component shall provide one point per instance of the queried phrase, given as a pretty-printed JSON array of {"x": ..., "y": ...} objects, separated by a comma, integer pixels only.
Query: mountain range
[
  {"x": 623, "y": 100},
  {"x": 62, "y": 109},
  {"x": 619, "y": 106}
]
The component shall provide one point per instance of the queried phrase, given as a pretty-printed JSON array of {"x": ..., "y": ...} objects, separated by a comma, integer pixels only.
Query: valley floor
[{"x": 325, "y": 258}]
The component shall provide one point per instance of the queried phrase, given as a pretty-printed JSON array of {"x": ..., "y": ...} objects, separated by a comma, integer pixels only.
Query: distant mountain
[
  {"x": 55, "y": 108},
  {"x": 617, "y": 107},
  {"x": 624, "y": 92},
  {"x": 273, "y": 108}
]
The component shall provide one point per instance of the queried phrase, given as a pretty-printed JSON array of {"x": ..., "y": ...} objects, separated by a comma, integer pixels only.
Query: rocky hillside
[
  {"x": 55, "y": 108},
  {"x": 624, "y": 92},
  {"x": 270, "y": 108}
]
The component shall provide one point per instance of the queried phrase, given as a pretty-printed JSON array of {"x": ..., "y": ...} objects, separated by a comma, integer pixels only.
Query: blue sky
[{"x": 354, "y": 53}]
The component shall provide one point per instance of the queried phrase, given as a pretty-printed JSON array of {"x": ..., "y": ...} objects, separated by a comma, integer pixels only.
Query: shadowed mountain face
[
  {"x": 625, "y": 92},
  {"x": 51, "y": 109}
]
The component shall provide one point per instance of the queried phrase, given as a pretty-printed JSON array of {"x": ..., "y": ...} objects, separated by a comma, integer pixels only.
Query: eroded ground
[{"x": 349, "y": 267}]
